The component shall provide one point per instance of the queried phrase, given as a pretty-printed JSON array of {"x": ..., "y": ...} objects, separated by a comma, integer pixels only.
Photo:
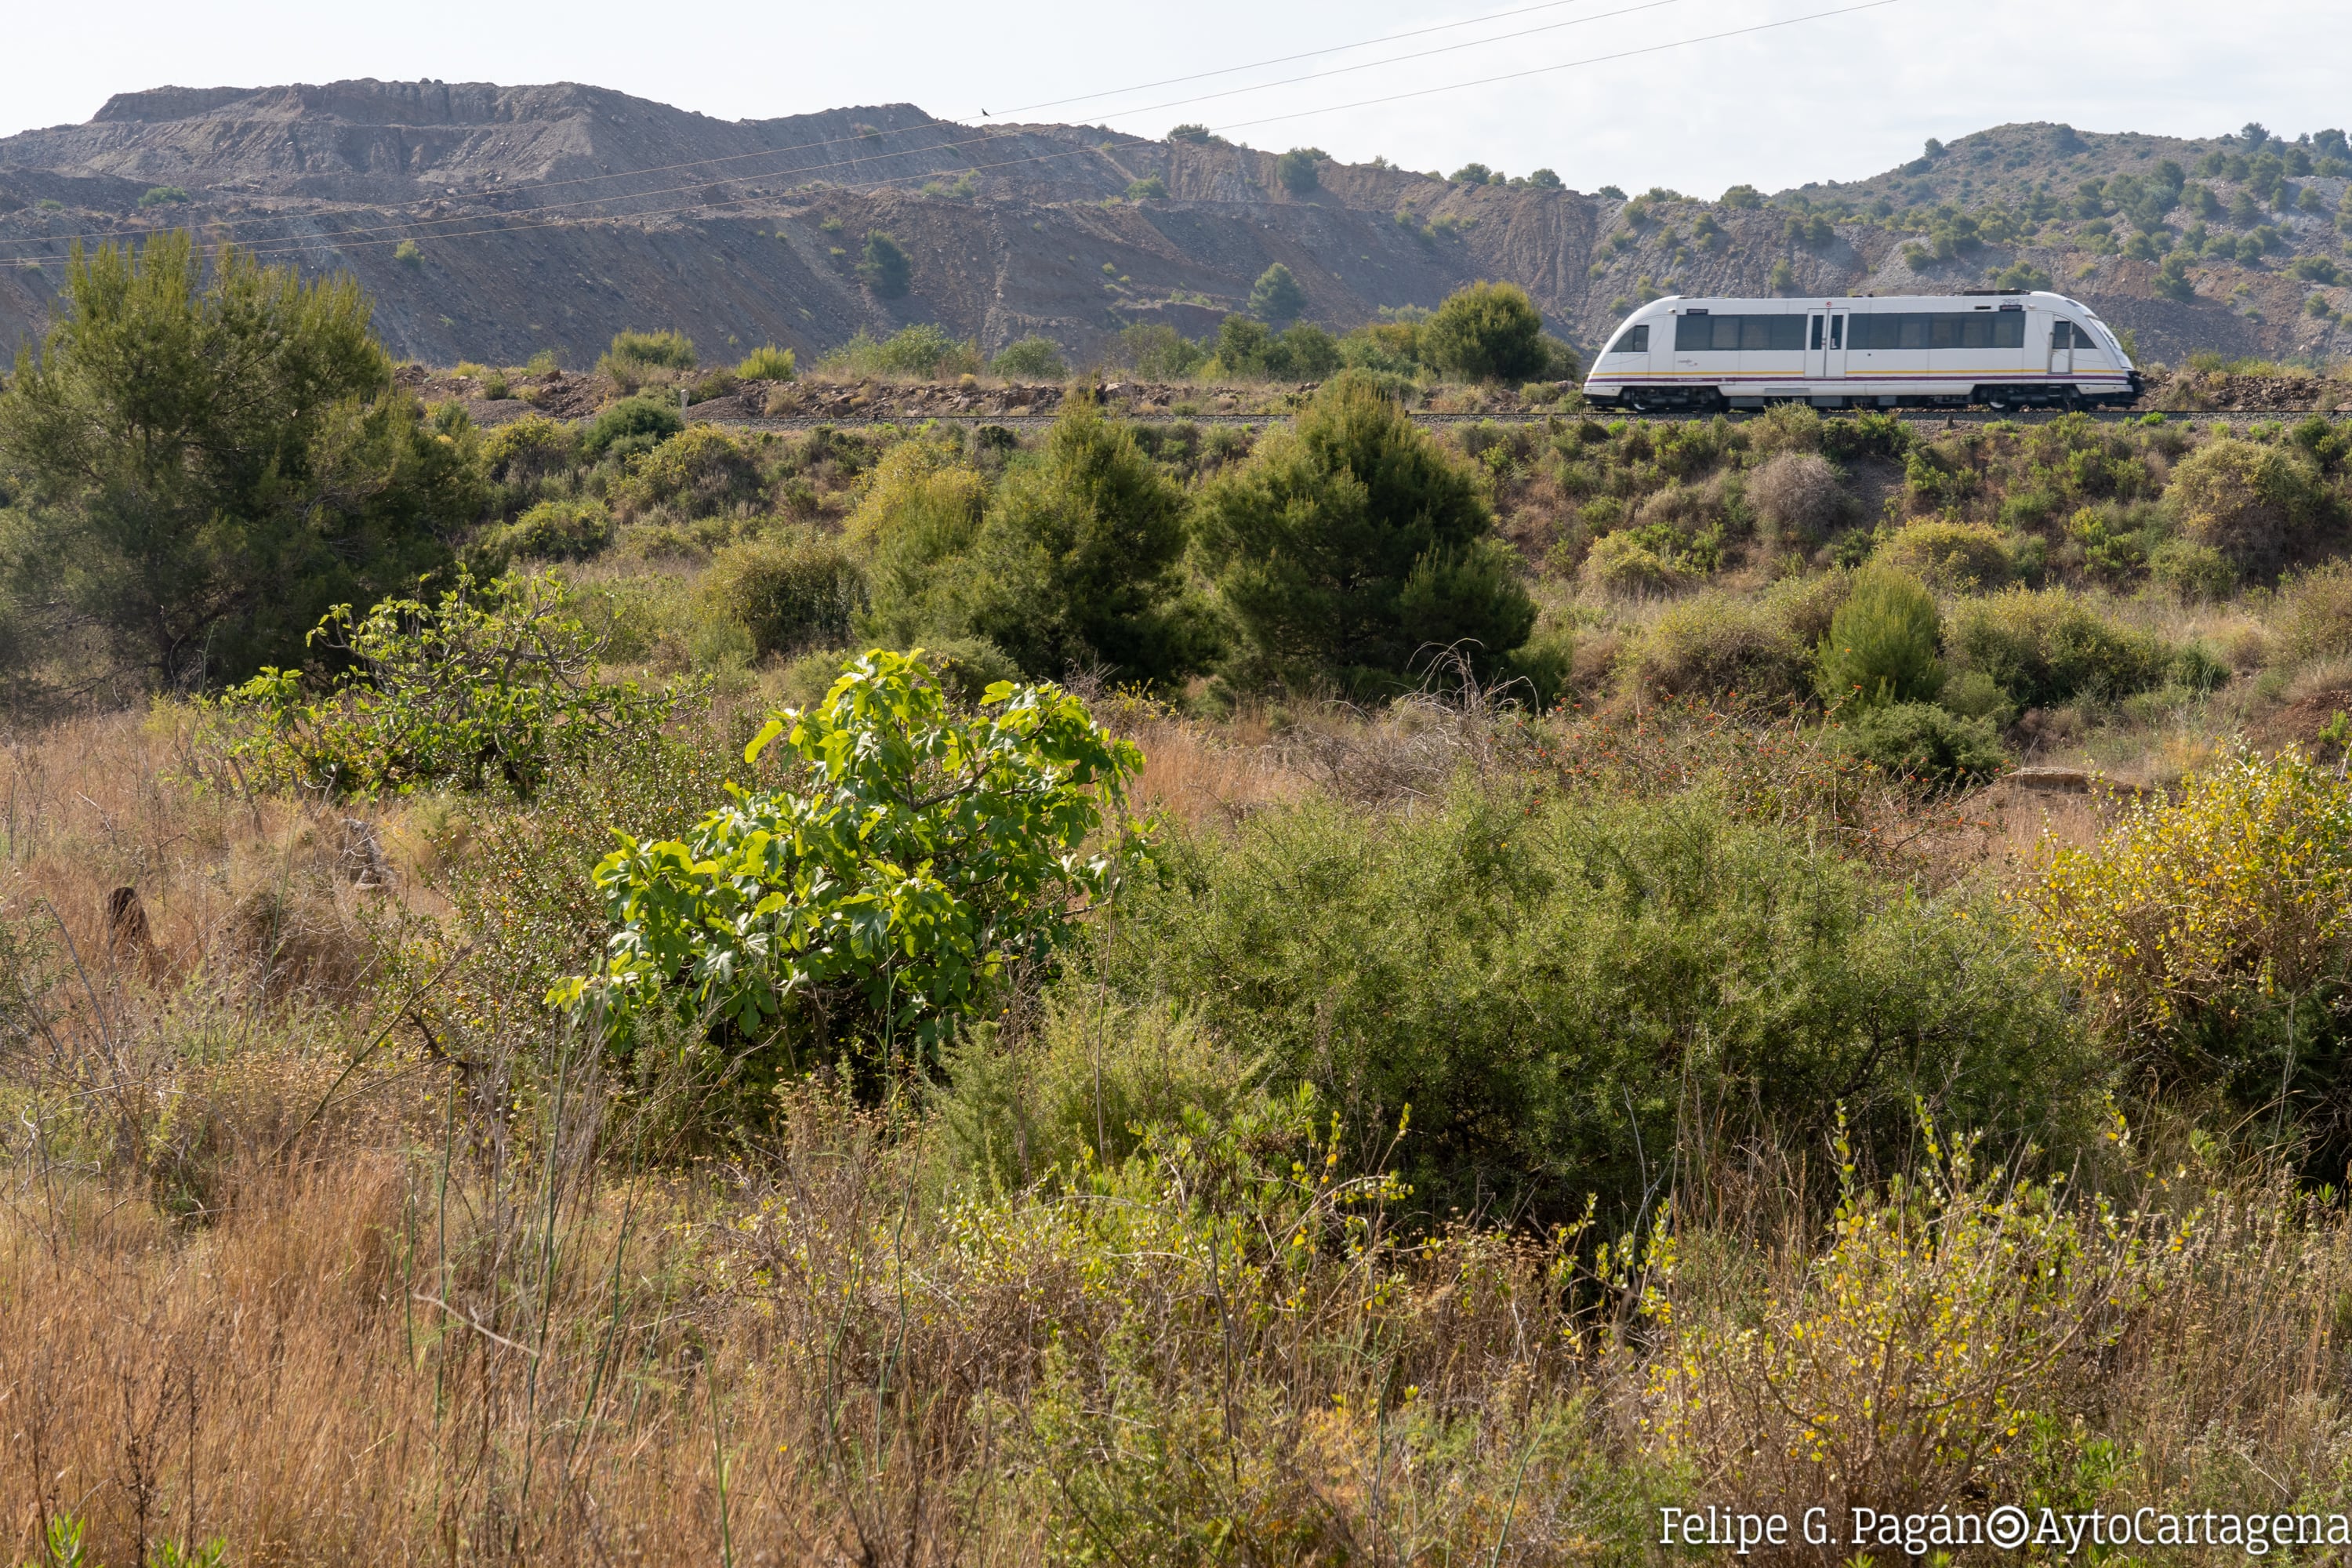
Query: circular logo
[{"x": 2006, "y": 1527}]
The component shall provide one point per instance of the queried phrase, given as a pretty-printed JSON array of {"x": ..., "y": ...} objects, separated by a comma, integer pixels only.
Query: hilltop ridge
[{"x": 551, "y": 216}]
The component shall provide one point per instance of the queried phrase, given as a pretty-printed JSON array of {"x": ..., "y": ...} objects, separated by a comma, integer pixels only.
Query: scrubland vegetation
[{"x": 1369, "y": 995}]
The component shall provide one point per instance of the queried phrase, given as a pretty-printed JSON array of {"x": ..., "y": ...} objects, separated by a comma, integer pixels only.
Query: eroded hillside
[{"x": 494, "y": 222}]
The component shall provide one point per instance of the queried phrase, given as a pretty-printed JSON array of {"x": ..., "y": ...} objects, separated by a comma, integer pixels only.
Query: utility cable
[
  {"x": 1395, "y": 59},
  {"x": 424, "y": 229},
  {"x": 1281, "y": 59},
  {"x": 297, "y": 245}
]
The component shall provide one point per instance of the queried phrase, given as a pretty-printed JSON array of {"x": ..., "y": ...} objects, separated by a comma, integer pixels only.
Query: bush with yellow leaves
[
  {"x": 1909, "y": 1361},
  {"x": 2211, "y": 936}
]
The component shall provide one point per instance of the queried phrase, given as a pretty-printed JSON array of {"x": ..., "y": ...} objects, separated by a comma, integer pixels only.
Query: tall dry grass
[{"x": 274, "y": 1270}]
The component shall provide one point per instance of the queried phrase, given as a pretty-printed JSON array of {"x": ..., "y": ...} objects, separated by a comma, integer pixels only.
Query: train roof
[{"x": 1981, "y": 299}]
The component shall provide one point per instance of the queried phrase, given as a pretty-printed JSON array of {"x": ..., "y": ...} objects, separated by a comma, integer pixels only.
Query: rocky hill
[{"x": 492, "y": 223}]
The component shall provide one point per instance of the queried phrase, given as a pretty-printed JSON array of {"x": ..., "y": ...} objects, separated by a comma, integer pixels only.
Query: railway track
[{"x": 1924, "y": 417}]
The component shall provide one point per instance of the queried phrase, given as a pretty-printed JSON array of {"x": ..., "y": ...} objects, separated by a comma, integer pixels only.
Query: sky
[{"x": 1826, "y": 97}]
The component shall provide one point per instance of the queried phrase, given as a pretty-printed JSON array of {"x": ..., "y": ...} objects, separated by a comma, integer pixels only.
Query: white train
[{"x": 2006, "y": 349}]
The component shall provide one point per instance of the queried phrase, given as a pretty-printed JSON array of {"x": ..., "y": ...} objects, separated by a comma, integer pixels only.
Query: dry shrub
[
  {"x": 1951, "y": 557},
  {"x": 1799, "y": 498},
  {"x": 498, "y": 1356},
  {"x": 1959, "y": 1336},
  {"x": 1784, "y": 428},
  {"x": 1719, "y": 644},
  {"x": 2258, "y": 505},
  {"x": 1621, "y": 563},
  {"x": 2318, "y": 613},
  {"x": 705, "y": 472},
  {"x": 1197, "y": 772},
  {"x": 1690, "y": 508},
  {"x": 1807, "y": 605}
]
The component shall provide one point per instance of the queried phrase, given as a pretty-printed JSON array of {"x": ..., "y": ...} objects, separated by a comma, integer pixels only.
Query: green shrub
[
  {"x": 173, "y": 195},
  {"x": 788, "y": 593},
  {"x": 1808, "y": 606},
  {"x": 1923, "y": 743},
  {"x": 1719, "y": 646},
  {"x": 921, "y": 512},
  {"x": 767, "y": 363},
  {"x": 644, "y": 421},
  {"x": 1312, "y": 353},
  {"x": 572, "y": 530},
  {"x": 204, "y": 457},
  {"x": 1159, "y": 351},
  {"x": 1487, "y": 331},
  {"x": 1624, "y": 563},
  {"x": 520, "y": 456},
  {"x": 874, "y": 900},
  {"x": 635, "y": 358},
  {"x": 1957, "y": 557},
  {"x": 495, "y": 682},
  {"x": 2259, "y": 504},
  {"x": 1391, "y": 347},
  {"x": 923, "y": 350},
  {"x": 966, "y": 668},
  {"x": 1030, "y": 358},
  {"x": 1540, "y": 977},
  {"x": 1246, "y": 348},
  {"x": 1881, "y": 644},
  {"x": 700, "y": 472},
  {"x": 1151, "y": 188},
  {"x": 1296, "y": 170},
  {"x": 1075, "y": 562},
  {"x": 2195, "y": 571},
  {"x": 1312, "y": 545},
  {"x": 1864, "y": 435},
  {"x": 2048, "y": 647},
  {"x": 1097, "y": 1075},
  {"x": 885, "y": 266},
  {"x": 1544, "y": 667},
  {"x": 1276, "y": 296}
]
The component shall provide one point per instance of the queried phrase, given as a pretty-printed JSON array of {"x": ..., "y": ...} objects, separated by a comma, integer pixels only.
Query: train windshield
[{"x": 1632, "y": 341}]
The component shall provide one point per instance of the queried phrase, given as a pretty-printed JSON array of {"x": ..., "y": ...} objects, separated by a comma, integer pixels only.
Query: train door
[
  {"x": 1825, "y": 343},
  {"x": 2064, "y": 336}
]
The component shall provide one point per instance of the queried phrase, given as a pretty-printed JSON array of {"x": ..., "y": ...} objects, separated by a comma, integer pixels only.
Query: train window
[
  {"x": 1837, "y": 332},
  {"x": 1987, "y": 331},
  {"x": 1703, "y": 334},
  {"x": 1632, "y": 341},
  {"x": 2069, "y": 334},
  {"x": 1817, "y": 331},
  {"x": 1723, "y": 334},
  {"x": 1939, "y": 329}
]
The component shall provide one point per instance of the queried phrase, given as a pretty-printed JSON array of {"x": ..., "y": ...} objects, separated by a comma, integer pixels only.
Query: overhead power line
[
  {"x": 292, "y": 245},
  {"x": 426, "y": 228},
  {"x": 1565, "y": 65},
  {"x": 1281, "y": 59},
  {"x": 1395, "y": 59}
]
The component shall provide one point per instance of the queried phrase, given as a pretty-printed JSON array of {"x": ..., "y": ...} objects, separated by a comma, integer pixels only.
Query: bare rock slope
[{"x": 493, "y": 222}]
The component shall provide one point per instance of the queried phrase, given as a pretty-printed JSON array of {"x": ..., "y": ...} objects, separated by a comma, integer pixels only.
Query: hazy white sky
[{"x": 1835, "y": 97}]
